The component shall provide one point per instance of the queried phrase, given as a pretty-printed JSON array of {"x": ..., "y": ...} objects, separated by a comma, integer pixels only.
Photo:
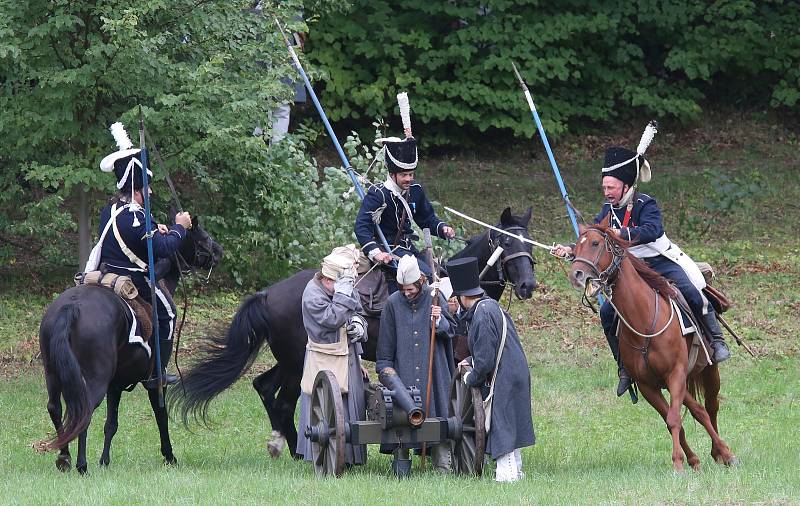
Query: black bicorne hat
[
  {"x": 400, "y": 155},
  {"x": 464, "y": 276}
]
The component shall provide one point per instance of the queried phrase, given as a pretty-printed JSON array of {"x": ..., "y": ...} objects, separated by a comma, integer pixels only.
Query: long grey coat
[
  {"x": 512, "y": 426},
  {"x": 323, "y": 316},
  {"x": 404, "y": 341}
]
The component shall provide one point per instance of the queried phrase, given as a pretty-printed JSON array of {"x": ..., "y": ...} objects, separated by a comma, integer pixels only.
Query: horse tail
[
  {"x": 695, "y": 386},
  {"x": 62, "y": 361},
  {"x": 226, "y": 357}
]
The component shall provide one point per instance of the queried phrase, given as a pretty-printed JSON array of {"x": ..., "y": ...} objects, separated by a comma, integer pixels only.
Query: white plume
[
  {"x": 405, "y": 110},
  {"x": 647, "y": 137},
  {"x": 121, "y": 136}
]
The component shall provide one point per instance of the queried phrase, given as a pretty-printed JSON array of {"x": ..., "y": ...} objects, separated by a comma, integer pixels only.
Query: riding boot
[
  {"x": 624, "y": 378},
  {"x": 718, "y": 344},
  {"x": 165, "y": 347}
]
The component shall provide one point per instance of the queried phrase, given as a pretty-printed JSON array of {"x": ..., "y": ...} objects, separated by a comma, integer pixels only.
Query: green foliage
[
  {"x": 587, "y": 62},
  {"x": 205, "y": 73}
]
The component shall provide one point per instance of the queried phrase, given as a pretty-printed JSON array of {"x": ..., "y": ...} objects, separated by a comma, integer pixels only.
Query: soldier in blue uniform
[
  {"x": 122, "y": 247},
  {"x": 642, "y": 225},
  {"x": 392, "y": 205}
]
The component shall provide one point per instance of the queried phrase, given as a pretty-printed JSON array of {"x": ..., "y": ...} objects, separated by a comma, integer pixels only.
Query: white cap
[
  {"x": 445, "y": 287},
  {"x": 408, "y": 270}
]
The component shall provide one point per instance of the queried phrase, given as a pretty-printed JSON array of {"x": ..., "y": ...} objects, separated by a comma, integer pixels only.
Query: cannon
[{"x": 395, "y": 417}]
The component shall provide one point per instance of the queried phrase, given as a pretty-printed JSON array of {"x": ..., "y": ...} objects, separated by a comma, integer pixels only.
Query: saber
[
  {"x": 496, "y": 229},
  {"x": 543, "y": 135},
  {"x": 150, "y": 262},
  {"x": 324, "y": 117},
  {"x": 163, "y": 168}
]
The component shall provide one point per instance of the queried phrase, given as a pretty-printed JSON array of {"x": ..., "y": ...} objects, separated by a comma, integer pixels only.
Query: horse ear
[
  {"x": 582, "y": 228},
  {"x": 172, "y": 213},
  {"x": 195, "y": 222},
  {"x": 506, "y": 216},
  {"x": 527, "y": 216}
]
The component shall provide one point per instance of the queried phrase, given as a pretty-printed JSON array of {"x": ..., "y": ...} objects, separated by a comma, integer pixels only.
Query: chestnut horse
[{"x": 652, "y": 347}]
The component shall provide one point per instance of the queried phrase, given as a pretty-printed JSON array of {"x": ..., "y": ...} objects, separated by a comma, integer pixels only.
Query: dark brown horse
[
  {"x": 652, "y": 348},
  {"x": 83, "y": 338}
]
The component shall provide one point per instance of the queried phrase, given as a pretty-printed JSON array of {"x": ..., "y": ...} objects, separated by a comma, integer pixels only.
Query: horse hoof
[
  {"x": 733, "y": 462},
  {"x": 104, "y": 462},
  {"x": 170, "y": 461},
  {"x": 274, "y": 450},
  {"x": 63, "y": 463},
  {"x": 82, "y": 470}
]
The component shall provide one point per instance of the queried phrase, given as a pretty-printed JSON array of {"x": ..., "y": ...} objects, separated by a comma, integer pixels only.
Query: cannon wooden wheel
[
  {"x": 466, "y": 404},
  {"x": 327, "y": 422}
]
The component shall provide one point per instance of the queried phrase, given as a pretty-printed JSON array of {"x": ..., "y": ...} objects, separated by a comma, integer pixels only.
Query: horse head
[
  {"x": 199, "y": 249},
  {"x": 517, "y": 257},
  {"x": 598, "y": 256}
]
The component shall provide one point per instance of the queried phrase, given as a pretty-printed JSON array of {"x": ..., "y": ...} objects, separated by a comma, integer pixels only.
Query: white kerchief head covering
[
  {"x": 408, "y": 270},
  {"x": 446, "y": 288},
  {"x": 340, "y": 259}
]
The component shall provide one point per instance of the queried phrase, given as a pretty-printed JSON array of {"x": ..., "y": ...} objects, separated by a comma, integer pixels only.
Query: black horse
[
  {"x": 274, "y": 315},
  {"x": 83, "y": 339}
]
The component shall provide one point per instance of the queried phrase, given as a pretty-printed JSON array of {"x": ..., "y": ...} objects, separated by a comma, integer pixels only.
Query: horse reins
[{"x": 605, "y": 281}]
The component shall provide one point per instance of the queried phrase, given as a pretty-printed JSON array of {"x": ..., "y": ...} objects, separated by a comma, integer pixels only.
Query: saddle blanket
[{"x": 134, "y": 335}]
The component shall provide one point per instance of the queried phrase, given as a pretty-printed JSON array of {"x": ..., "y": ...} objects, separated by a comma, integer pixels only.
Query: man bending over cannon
[
  {"x": 499, "y": 368},
  {"x": 335, "y": 332},
  {"x": 404, "y": 345},
  {"x": 635, "y": 217}
]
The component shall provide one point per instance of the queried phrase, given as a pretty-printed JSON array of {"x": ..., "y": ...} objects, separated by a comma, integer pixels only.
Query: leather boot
[
  {"x": 167, "y": 379},
  {"x": 718, "y": 344},
  {"x": 624, "y": 378}
]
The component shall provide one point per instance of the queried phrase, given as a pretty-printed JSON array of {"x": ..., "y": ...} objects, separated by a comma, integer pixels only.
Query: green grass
[{"x": 592, "y": 447}]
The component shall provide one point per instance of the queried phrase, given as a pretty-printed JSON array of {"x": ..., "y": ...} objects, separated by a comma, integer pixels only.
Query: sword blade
[{"x": 497, "y": 229}]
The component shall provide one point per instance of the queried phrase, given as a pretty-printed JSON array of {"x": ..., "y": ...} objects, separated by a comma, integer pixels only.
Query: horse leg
[
  {"x": 64, "y": 460},
  {"x": 112, "y": 422},
  {"x": 81, "y": 464},
  {"x": 708, "y": 416},
  {"x": 162, "y": 420},
  {"x": 266, "y": 384},
  {"x": 671, "y": 416},
  {"x": 287, "y": 404}
]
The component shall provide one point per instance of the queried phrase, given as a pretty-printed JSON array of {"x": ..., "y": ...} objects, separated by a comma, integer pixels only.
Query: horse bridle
[
  {"x": 605, "y": 279},
  {"x": 504, "y": 258}
]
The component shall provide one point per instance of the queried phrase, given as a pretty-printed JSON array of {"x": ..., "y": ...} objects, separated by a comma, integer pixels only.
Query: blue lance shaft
[
  {"x": 150, "y": 261},
  {"x": 553, "y": 163},
  {"x": 324, "y": 117}
]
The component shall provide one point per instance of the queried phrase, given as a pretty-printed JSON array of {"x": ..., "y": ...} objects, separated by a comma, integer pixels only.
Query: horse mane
[{"x": 655, "y": 280}]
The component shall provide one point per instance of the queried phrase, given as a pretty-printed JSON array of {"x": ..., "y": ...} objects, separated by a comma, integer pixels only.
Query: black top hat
[
  {"x": 401, "y": 155},
  {"x": 464, "y": 276}
]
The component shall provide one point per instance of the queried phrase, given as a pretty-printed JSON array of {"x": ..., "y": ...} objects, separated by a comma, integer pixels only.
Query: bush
[{"x": 588, "y": 63}]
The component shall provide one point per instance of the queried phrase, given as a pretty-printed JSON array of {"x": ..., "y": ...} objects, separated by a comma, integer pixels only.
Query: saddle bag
[
  {"x": 717, "y": 299},
  {"x": 373, "y": 291},
  {"x": 122, "y": 285}
]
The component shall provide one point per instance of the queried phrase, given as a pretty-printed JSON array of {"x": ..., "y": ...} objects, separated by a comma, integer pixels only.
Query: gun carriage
[{"x": 395, "y": 417}]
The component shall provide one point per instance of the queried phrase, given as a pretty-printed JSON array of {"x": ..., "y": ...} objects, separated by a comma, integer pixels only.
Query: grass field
[{"x": 592, "y": 448}]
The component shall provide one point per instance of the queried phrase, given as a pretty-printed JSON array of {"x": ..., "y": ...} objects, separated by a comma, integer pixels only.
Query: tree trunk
[{"x": 84, "y": 226}]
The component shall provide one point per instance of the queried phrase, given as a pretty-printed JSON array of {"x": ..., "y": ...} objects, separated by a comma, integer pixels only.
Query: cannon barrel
[{"x": 401, "y": 396}]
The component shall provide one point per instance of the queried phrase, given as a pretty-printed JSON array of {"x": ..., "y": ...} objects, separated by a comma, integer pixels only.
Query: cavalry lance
[
  {"x": 552, "y": 159},
  {"x": 324, "y": 117},
  {"x": 150, "y": 262}
]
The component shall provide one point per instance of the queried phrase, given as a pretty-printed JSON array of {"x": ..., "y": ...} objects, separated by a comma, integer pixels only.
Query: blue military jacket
[
  {"x": 378, "y": 195},
  {"x": 133, "y": 235},
  {"x": 645, "y": 224}
]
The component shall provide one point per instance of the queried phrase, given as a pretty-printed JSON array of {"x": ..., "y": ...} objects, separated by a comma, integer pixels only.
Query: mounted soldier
[
  {"x": 636, "y": 217},
  {"x": 393, "y": 204},
  {"x": 122, "y": 244}
]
